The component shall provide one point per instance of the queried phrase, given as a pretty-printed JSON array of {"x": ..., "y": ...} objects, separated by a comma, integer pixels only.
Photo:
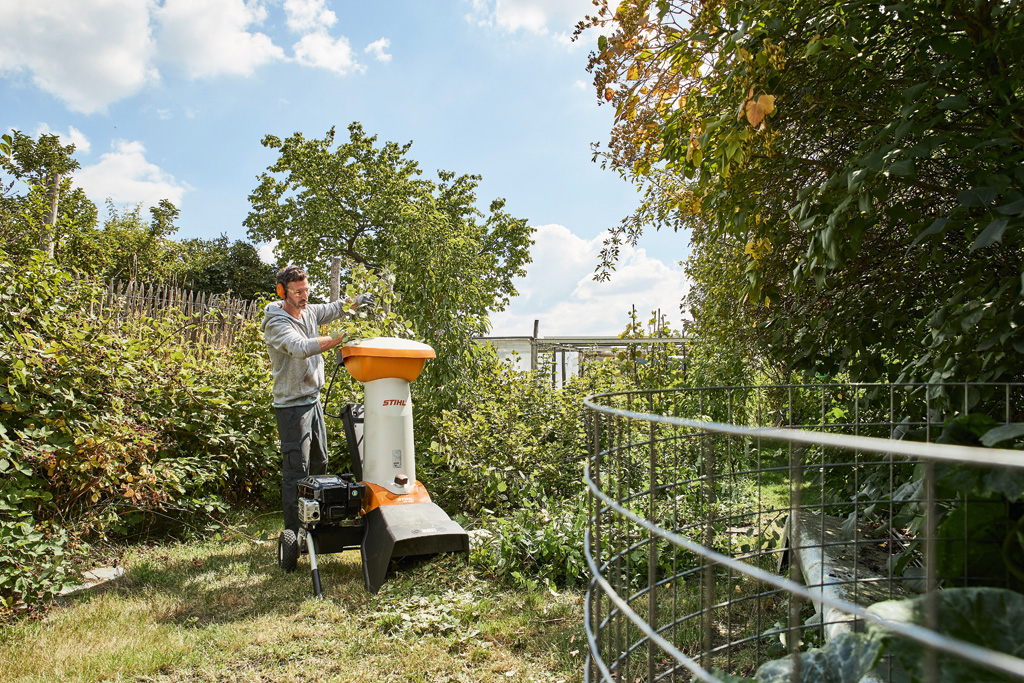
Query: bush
[
  {"x": 512, "y": 456},
  {"x": 514, "y": 440},
  {"x": 106, "y": 429}
]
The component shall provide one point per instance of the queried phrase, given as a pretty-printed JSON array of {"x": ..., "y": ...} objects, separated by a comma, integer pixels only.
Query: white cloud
[
  {"x": 319, "y": 50},
  {"x": 557, "y": 18},
  {"x": 560, "y": 292},
  {"x": 87, "y": 53},
  {"x": 91, "y": 53},
  {"x": 308, "y": 15},
  {"x": 266, "y": 252},
  {"x": 213, "y": 38},
  {"x": 377, "y": 47},
  {"x": 72, "y": 137},
  {"x": 126, "y": 177},
  {"x": 521, "y": 14},
  {"x": 564, "y": 38}
]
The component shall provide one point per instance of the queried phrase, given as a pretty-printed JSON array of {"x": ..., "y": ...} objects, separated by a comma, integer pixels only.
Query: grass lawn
[{"x": 221, "y": 610}]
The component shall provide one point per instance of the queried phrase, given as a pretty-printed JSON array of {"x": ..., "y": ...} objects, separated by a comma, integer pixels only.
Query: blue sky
[{"x": 170, "y": 99}]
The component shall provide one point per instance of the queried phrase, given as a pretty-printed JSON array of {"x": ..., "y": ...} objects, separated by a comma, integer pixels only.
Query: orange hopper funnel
[{"x": 385, "y": 358}]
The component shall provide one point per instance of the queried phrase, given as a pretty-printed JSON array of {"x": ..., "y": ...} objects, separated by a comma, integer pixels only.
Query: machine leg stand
[{"x": 312, "y": 565}]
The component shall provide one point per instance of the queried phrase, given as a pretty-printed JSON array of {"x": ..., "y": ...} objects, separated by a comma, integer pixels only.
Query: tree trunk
[{"x": 50, "y": 222}]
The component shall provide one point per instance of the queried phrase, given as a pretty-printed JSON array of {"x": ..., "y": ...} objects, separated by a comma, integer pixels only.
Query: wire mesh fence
[{"x": 807, "y": 533}]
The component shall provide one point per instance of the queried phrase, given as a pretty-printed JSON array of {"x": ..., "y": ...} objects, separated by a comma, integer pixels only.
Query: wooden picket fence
[{"x": 209, "y": 319}]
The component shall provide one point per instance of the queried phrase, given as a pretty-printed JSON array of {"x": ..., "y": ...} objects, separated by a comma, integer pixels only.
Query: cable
[{"x": 330, "y": 384}]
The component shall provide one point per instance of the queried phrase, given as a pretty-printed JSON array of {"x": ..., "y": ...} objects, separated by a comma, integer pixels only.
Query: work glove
[{"x": 364, "y": 300}]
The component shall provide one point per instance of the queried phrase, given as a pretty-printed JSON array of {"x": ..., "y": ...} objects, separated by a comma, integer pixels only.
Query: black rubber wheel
[{"x": 287, "y": 550}]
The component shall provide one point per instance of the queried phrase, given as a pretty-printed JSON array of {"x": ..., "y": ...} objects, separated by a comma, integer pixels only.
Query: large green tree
[
  {"x": 368, "y": 203},
  {"x": 863, "y": 160}
]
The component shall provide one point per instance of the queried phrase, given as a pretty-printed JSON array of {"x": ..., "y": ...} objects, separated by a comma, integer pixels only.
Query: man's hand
[{"x": 363, "y": 300}]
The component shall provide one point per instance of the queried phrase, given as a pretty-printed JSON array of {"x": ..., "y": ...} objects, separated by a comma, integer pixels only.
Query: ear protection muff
[{"x": 284, "y": 276}]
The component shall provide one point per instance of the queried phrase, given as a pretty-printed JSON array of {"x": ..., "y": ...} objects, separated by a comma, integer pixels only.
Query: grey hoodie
[{"x": 295, "y": 352}]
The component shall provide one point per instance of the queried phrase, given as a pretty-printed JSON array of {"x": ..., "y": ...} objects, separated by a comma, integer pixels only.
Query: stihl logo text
[{"x": 394, "y": 402}]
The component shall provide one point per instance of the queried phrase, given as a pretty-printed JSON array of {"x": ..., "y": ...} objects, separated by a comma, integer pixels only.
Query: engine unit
[{"x": 329, "y": 499}]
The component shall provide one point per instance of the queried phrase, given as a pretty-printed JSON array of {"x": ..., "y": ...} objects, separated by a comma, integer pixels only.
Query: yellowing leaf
[
  {"x": 757, "y": 248},
  {"x": 609, "y": 94},
  {"x": 691, "y": 148},
  {"x": 757, "y": 109},
  {"x": 633, "y": 73}
]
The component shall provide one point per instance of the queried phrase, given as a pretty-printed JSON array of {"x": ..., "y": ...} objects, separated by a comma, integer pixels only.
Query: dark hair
[{"x": 290, "y": 274}]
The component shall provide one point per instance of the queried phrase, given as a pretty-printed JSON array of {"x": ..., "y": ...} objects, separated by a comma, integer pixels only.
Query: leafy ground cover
[{"x": 219, "y": 609}]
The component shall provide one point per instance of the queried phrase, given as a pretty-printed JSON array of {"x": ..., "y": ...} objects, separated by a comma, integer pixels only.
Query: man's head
[{"x": 293, "y": 287}]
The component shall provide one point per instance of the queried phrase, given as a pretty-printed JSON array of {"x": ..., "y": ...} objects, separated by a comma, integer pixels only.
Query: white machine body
[
  {"x": 388, "y": 450},
  {"x": 399, "y": 518}
]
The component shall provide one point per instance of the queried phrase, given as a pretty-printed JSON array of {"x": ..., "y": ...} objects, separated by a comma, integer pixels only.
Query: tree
[
  {"x": 862, "y": 159},
  {"x": 127, "y": 248},
  {"x": 453, "y": 264},
  {"x": 220, "y": 266},
  {"x": 51, "y": 212}
]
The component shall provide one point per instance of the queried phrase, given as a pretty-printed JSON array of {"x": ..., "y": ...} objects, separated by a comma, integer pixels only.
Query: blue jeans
[{"x": 303, "y": 437}]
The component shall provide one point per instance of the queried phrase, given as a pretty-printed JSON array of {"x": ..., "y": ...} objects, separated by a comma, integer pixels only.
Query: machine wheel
[{"x": 287, "y": 550}]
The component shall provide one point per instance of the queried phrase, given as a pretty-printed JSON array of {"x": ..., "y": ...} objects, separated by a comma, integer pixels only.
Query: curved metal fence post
[
  {"x": 652, "y": 554},
  {"x": 708, "y": 458}
]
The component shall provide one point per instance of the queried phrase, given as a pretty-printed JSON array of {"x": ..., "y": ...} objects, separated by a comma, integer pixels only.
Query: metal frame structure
[
  {"x": 697, "y": 496},
  {"x": 558, "y": 348}
]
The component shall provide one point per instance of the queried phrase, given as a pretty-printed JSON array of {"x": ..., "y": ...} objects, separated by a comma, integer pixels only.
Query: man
[{"x": 291, "y": 332}]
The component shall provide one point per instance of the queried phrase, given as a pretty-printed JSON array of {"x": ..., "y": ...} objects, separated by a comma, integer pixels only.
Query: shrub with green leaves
[
  {"x": 107, "y": 427},
  {"x": 512, "y": 455},
  {"x": 513, "y": 439}
]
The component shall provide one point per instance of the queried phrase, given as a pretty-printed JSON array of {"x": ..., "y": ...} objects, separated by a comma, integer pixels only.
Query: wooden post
[
  {"x": 190, "y": 305},
  {"x": 129, "y": 293},
  {"x": 335, "y": 278}
]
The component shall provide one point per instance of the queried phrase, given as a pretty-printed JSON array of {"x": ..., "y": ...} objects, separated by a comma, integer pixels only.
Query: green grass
[{"x": 221, "y": 610}]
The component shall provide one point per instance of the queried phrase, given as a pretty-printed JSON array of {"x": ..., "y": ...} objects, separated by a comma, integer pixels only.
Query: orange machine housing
[
  {"x": 378, "y": 495},
  {"x": 367, "y": 363}
]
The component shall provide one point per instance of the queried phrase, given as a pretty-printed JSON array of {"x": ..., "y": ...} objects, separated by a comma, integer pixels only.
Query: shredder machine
[{"x": 381, "y": 507}]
